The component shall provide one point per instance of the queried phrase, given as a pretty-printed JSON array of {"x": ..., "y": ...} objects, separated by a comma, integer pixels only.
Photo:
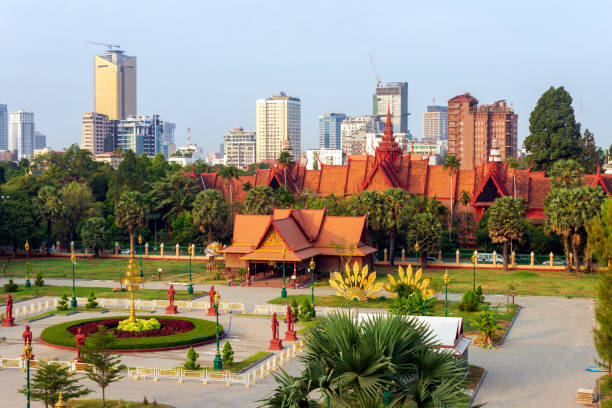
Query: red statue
[
  {"x": 275, "y": 343},
  {"x": 290, "y": 333},
  {"x": 8, "y": 321},
  {"x": 27, "y": 338},
  {"x": 171, "y": 309},
  {"x": 80, "y": 341},
  {"x": 211, "y": 299}
]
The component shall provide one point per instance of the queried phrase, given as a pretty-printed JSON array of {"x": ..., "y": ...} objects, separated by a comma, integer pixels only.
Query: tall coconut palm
[
  {"x": 260, "y": 200},
  {"x": 230, "y": 173},
  {"x": 394, "y": 214},
  {"x": 209, "y": 209},
  {"x": 566, "y": 174},
  {"x": 451, "y": 165},
  {"x": 513, "y": 164},
  {"x": 368, "y": 203},
  {"x": 131, "y": 211},
  {"x": 48, "y": 206},
  {"x": 464, "y": 198},
  {"x": 506, "y": 222},
  {"x": 358, "y": 364}
]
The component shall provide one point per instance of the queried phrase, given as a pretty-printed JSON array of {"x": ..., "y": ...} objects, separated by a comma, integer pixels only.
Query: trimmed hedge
[{"x": 203, "y": 330}]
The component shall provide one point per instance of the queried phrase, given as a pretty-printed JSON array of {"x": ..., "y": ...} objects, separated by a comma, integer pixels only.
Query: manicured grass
[
  {"x": 60, "y": 312},
  {"x": 334, "y": 301},
  {"x": 107, "y": 268},
  {"x": 145, "y": 294},
  {"x": 605, "y": 389},
  {"x": 203, "y": 330},
  {"x": 97, "y": 403},
  {"x": 535, "y": 283}
]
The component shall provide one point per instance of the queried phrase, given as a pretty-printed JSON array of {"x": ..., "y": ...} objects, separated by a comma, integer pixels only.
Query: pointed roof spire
[{"x": 388, "y": 149}]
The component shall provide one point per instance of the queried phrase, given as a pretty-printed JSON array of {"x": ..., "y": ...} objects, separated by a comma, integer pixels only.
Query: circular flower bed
[{"x": 175, "y": 332}]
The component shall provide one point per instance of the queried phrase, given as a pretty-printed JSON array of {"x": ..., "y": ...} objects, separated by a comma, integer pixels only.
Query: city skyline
[{"x": 202, "y": 60}]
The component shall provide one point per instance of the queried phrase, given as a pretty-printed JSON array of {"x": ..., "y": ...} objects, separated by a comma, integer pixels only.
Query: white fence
[
  {"x": 20, "y": 363},
  {"x": 246, "y": 378}
]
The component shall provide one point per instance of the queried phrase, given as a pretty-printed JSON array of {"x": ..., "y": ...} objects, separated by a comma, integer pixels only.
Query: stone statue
[
  {"x": 80, "y": 341},
  {"x": 27, "y": 339},
  {"x": 211, "y": 299},
  {"x": 290, "y": 333},
  {"x": 9, "y": 321},
  {"x": 275, "y": 343},
  {"x": 171, "y": 309}
]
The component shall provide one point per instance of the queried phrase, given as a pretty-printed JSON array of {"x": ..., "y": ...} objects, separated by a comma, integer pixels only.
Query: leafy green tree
[
  {"x": 592, "y": 155},
  {"x": 506, "y": 222},
  {"x": 104, "y": 367},
  {"x": 353, "y": 364},
  {"x": 77, "y": 202},
  {"x": 209, "y": 209},
  {"x": 451, "y": 165},
  {"x": 17, "y": 224},
  {"x": 130, "y": 176},
  {"x": 51, "y": 378},
  {"x": 192, "y": 358},
  {"x": 227, "y": 354},
  {"x": 566, "y": 174},
  {"x": 425, "y": 229},
  {"x": 72, "y": 165},
  {"x": 184, "y": 230},
  {"x": 394, "y": 215},
  {"x": 48, "y": 207},
  {"x": 285, "y": 158},
  {"x": 131, "y": 212},
  {"x": 94, "y": 235},
  {"x": 554, "y": 133},
  {"x": 284, "y": 197},
  {"x": 260, "y": 200},
  {"x": 230, "y": 173},
  {"x": 173, "y": 195}
]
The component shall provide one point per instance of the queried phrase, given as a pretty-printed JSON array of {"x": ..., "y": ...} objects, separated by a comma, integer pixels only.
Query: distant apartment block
[
  {"x": 392, "y": 97},
  {"x": 8, "y": 155},
  {"x": 40, "y": 140},
  {"x": 278, "y": 119},
  {"x": 239, "y": 147},
  {"x": 21, "y": 129},
  {"x": 168, "y": 131},
  {"x": 96, "y": 130},
  {"x": 141, "y": 134},
  {"x": 435, "y": 124},
  {"x": 4, "y": 140},
  {"x": 330, "y": 134},
  {"x": 111, "y": 158},
  {"x": 316, "y": 157},
  {"x": 354, "y": 131}
]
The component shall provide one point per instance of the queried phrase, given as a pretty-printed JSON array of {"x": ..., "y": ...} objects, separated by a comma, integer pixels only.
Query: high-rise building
[
  {"x": 21, "y": 139},
  {"x": 115, "y": 84},
  {"x": 40, "y": 140},
  {"x": 394, "y": 98},
  {"x": 95, "y": 131},
  {"x": 472, "y": 129},
  {"x": 239, "y": 147},
  {"x": 169, "y": 129},
  {"x": 330, "y": 130},
  {"x": 141, "y": 134},
  {"x": 435, "y": 124},
  {"x": 4, "y": 141},
  {"x": 354, "y": 130},
  {"x": 277, "y": 119}
]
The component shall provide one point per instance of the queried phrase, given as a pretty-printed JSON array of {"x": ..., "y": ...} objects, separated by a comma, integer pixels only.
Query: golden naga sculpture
[
  {"x": 357, "y": 285},
  {"x": 131, "y": 279},
  {"x": 416, "y": 282}
]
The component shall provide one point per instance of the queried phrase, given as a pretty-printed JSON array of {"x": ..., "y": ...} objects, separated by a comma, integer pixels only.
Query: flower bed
[
  {"x": 168, "y": 328},
  {"x": 202, "y": 331}
]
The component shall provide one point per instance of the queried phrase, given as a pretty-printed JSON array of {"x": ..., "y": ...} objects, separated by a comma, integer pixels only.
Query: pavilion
[{"x": 290, "y": 239}]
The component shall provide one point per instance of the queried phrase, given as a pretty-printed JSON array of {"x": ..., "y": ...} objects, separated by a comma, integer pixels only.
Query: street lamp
[
  {"x": 446, "y": 279},
  {"x": 283, "y": 290},
  {"x": 474, "y": 260},
  {"x": 416, "y": 248},
  {"x": 190, "y": 287},
  {"x": 218, "y": 362},
  {"x": 27, "y": 355},
  {"x": 73, "y": 301},
  {"x": 140, "y": 253},
  {"x": 27, "y": 249},
  {"x": 311, "y": 267}
]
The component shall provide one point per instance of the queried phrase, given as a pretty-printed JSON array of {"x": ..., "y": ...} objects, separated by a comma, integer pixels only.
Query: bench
[{"x": 584, "y": 396}]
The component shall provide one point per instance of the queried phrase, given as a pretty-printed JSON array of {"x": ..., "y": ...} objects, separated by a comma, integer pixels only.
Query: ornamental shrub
[
  {"x": 294, "y": 307},
  {"x": 411, "y": 305},
  {"x": 479, "y": 294},
  {"x": 469, "y": 302},
  {"x": 39, "y": 280},
  {"x": 305, "y": 310},
  {"x": 192, "y": 356},
  {"x": 62, "y": 304},
  {"x": 139, "y": 325},
  {"x": 10, "y": 287},
  {"x": 91, "y": 301},
  {"x": 227, "y": 354}
]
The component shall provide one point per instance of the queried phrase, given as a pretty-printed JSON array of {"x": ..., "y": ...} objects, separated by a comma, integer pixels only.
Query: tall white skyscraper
[
  {"x": 3, "y": 127},
  {"x": 394, "y": 97},
  {"x": 435, "y": 124},
  {"x": 277, "y": 119},
  {"x": 21, "y": 131}
]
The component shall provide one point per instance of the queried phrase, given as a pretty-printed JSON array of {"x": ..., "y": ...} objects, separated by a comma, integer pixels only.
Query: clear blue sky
[{"x": 204, "y": 64}]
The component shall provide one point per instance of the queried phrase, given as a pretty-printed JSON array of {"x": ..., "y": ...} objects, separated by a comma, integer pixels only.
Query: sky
[{"x": 203, "y": 64}]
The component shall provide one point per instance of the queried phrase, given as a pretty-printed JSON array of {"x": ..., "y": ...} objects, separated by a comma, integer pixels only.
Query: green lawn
[
  {"x": 97, "y": 403},
  {"x": 108, "y": 268},
  {"x": 83, "y": 291}
]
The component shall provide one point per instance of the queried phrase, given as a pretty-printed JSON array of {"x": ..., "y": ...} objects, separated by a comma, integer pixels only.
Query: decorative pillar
[
  {"x": 116, "y": 248},
  {"x": 72, "y": 247},
  {"x": 147, "y": 249},
  {"x": 385, "y": 259},
  {"x": 178, "y": 249},
  {"x": 571, "y": 260},
  {"x": 494, "y": 259},
  {"x": 193, "y": 250},
  {"x": 476, "y": 253},
  {"x": 161, "y": 249},
  {"x": 457, "y": 256},
  {"x": 532, "y": 259},
  {"x": 440, "y": 256},
  {"x": 513, "y": 258},
  {"x": 552, "y": 258},
  {"x": 57, "y": 246},
  {"x": 403, "y": 255},
  {"x": 86, "y": 251}
]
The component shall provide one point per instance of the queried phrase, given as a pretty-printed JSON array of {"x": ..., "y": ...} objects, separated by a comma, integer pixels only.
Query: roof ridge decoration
[
  {"x": 598, "y": 180},
  {"x": 493, "y": 176},
  {"x": 388, "y": 150}
]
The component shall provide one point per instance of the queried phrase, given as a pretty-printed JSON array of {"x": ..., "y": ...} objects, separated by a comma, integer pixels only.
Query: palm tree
[
  {"x": 367, "y": 203},
  {"x": 230, "y": 173},
  {"x": 513, "y": 164},
  {"x": 394, "y": 213},
  {"x": 260, "y": 200},
  {"x": 464, "y": 198},
  {"x": 48, "y": 206},
  {"x": 425, "y": 229},
  {"x": 451, "y": 164},
  {"x": 566, "y": 174},
  {"x": 506, "y": 222},
  {"x": 131, "y": 211},
  {"x": 209, "y": 208},
  {"x": 359, "y": 364}
]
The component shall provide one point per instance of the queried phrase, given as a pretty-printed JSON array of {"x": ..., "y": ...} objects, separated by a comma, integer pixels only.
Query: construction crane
[
  {"x": 110, "y": 46},
  {"x": 378, "y": 80}
]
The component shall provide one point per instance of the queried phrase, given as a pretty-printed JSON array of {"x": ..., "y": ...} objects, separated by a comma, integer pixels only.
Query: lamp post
[
  {"x": 27, "y": 355},
  {"x": 311, "y": 266},
  {"x": 73, "y": 301},
  {"x": 190, "y": 287},
  {"x": 27, "y": 249},
  {"x": 446, "y": 279},
  {"x": 284, "y": 289},
  {"x": 474, "y": 260},
  {"x": 218, "y": 362},
  {"x": 416, "y": 248},
  {"x": 140, "y": 253}
]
